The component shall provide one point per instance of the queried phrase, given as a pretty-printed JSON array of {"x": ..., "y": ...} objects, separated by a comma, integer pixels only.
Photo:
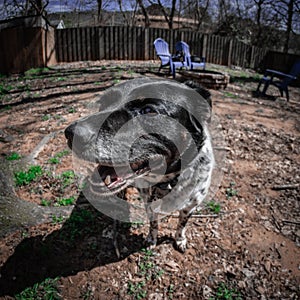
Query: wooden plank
[
  {"x": 88, "y": 43},
  {"x": 93, "y": 44},
  {"x": 125, "y": 39},
  {"x": 69, "y": 45},
  {"x": 65, "y": 46},
  {"x": 230, "y": 49},
  {"x": 204, "y": 47},
  {"x": 80, "y": 34},
  {"x": 58, "y": 45},
  {"x": 73, "y": 44},
  {"x": 101, "y": 52},
  {"x": 146, "y": 44}
]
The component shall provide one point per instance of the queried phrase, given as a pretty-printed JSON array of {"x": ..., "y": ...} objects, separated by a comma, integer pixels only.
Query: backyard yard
[{"x": 244, "y": 242}]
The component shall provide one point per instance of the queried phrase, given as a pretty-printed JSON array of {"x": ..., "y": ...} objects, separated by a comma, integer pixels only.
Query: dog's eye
[{"x": 147, "y": 110}]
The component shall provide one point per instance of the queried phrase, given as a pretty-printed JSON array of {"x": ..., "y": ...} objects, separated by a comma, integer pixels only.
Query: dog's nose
[{"x": 69, "y": 131}]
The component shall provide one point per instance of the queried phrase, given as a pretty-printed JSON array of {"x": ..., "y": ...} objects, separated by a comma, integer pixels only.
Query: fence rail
[{"x": 136, "y": 43}]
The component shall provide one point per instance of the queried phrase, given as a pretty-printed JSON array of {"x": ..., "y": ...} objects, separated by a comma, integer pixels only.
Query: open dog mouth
[
  {"x": 114, "y": 177},
  {"x": 109, "y": 179}
]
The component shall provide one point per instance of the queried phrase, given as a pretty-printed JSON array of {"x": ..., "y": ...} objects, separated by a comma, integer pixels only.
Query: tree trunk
[
  {"x": 99, "y": 10},
  {"x": 144, "y": 11},
  {"x": 288, "y": 26}
]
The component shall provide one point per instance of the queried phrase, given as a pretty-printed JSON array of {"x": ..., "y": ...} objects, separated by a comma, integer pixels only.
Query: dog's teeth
[{"x": 107, "y": 180}]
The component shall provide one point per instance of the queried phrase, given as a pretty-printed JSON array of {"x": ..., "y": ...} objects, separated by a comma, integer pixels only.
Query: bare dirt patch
[{"x": 247, "y": 250}]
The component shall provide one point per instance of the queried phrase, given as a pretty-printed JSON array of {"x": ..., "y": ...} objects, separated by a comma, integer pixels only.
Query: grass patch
[
  {"x": 36, "y": 71},
  {"x": 78, "y": 224},
  {"x": 230, "y": 95},
  {"x": 148, "y": 272},
  {"x": 26, "y": 177},
  {"x": 46, "y": 290},
  {"x": 5, "y": 89}
]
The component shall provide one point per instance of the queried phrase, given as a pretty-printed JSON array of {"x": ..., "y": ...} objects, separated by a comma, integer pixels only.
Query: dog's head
[{"x": 145, "y": 128}]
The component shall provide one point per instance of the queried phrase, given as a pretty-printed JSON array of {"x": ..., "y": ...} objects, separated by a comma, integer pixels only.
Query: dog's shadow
[{"x": 85, "y": 241}]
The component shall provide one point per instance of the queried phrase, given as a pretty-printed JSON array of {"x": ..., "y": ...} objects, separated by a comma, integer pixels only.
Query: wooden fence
[
  {"x": 136, "y": 43},
  {"x": 24, "y": 48}
]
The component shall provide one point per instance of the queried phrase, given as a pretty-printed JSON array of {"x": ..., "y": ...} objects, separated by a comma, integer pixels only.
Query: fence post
[
  {"x": 229, "y": 52},
  {"x": 146, "y": 44},
  {"x": 204, "y": 45}
]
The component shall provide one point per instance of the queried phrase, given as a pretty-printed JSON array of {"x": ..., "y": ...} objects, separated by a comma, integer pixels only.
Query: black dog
[{"x": 151, "y": 134}]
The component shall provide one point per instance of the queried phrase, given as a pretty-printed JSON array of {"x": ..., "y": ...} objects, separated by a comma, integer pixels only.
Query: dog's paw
[
  {"x": 181, "y": 244},
  {"x": 150, "y": 242}
]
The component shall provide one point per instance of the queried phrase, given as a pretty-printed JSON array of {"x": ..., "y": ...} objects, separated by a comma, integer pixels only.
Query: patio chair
[
  {"x": 191, "y": 60},
  {"x": 167, "y": 60},
  {"x": 282, "y": 82}
]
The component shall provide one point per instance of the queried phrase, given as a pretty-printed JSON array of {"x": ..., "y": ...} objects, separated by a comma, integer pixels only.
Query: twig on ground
[
  {"x": 285, "y": 187},
  {"x": 291, "y": 222}
]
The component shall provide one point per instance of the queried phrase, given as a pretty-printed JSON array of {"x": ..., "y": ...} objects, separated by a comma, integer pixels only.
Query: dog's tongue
[
  {"x": 111, "y": 178},
  {"x": 108, "y": 175}
]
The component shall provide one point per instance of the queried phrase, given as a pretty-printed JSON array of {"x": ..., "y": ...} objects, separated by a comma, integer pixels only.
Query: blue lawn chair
[
  {"x": 283, "y": 80},
  {"x": 192, "y": 61},
  {"x": 162, "y": 51}
]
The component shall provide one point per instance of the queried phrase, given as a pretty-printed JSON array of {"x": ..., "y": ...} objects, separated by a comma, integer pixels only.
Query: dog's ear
[{"x": 200, "y": 90}]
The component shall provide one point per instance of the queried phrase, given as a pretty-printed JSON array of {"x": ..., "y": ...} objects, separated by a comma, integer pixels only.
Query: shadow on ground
[{"x": 83, "y": 242}]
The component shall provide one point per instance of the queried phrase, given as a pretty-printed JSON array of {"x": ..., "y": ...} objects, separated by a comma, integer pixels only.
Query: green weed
[
  {"x": 62, "y": 153},
  {"x": 137, "y": 290},
  {"x": 13, "y": 156},
  {"x": 46, "y": 290},
  {"x": 170, "y": 291},
  {"x": 46, "y": 117},
  {"x": 230, "y": 95},
  {"x": 68, "y": 178},
  {"x": 74, "y": 225},
  {"x": 227, "y": 293},
  {"x": 72, "y": 110},
  {"x": 57, "y": 219},
  {"x": 65, "y": 201},
  {"x": 56, "y": 158},
  {"x": 45, "y": 202},
  {"x": 6, "y": 108},
  {"x": 231, "y": 191},
  {"x": 36, "y": 71},
  {"x": 60, "y": 79},
  {"x": 5, "y": 89},
  {"x": 26, "y": 177},
  {"x": 214, "y": 207}
]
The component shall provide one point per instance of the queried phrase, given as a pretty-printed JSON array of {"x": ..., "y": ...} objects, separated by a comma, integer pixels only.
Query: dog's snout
[{"x": 70, "y": 130}]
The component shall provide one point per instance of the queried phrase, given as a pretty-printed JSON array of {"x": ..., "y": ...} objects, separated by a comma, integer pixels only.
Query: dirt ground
[{"x": 243, "y": 244}]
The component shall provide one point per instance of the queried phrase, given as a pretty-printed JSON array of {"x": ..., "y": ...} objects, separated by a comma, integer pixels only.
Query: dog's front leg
[
  {"x": 151, "y": 239},
  {"x": 180, "y": 238}
]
